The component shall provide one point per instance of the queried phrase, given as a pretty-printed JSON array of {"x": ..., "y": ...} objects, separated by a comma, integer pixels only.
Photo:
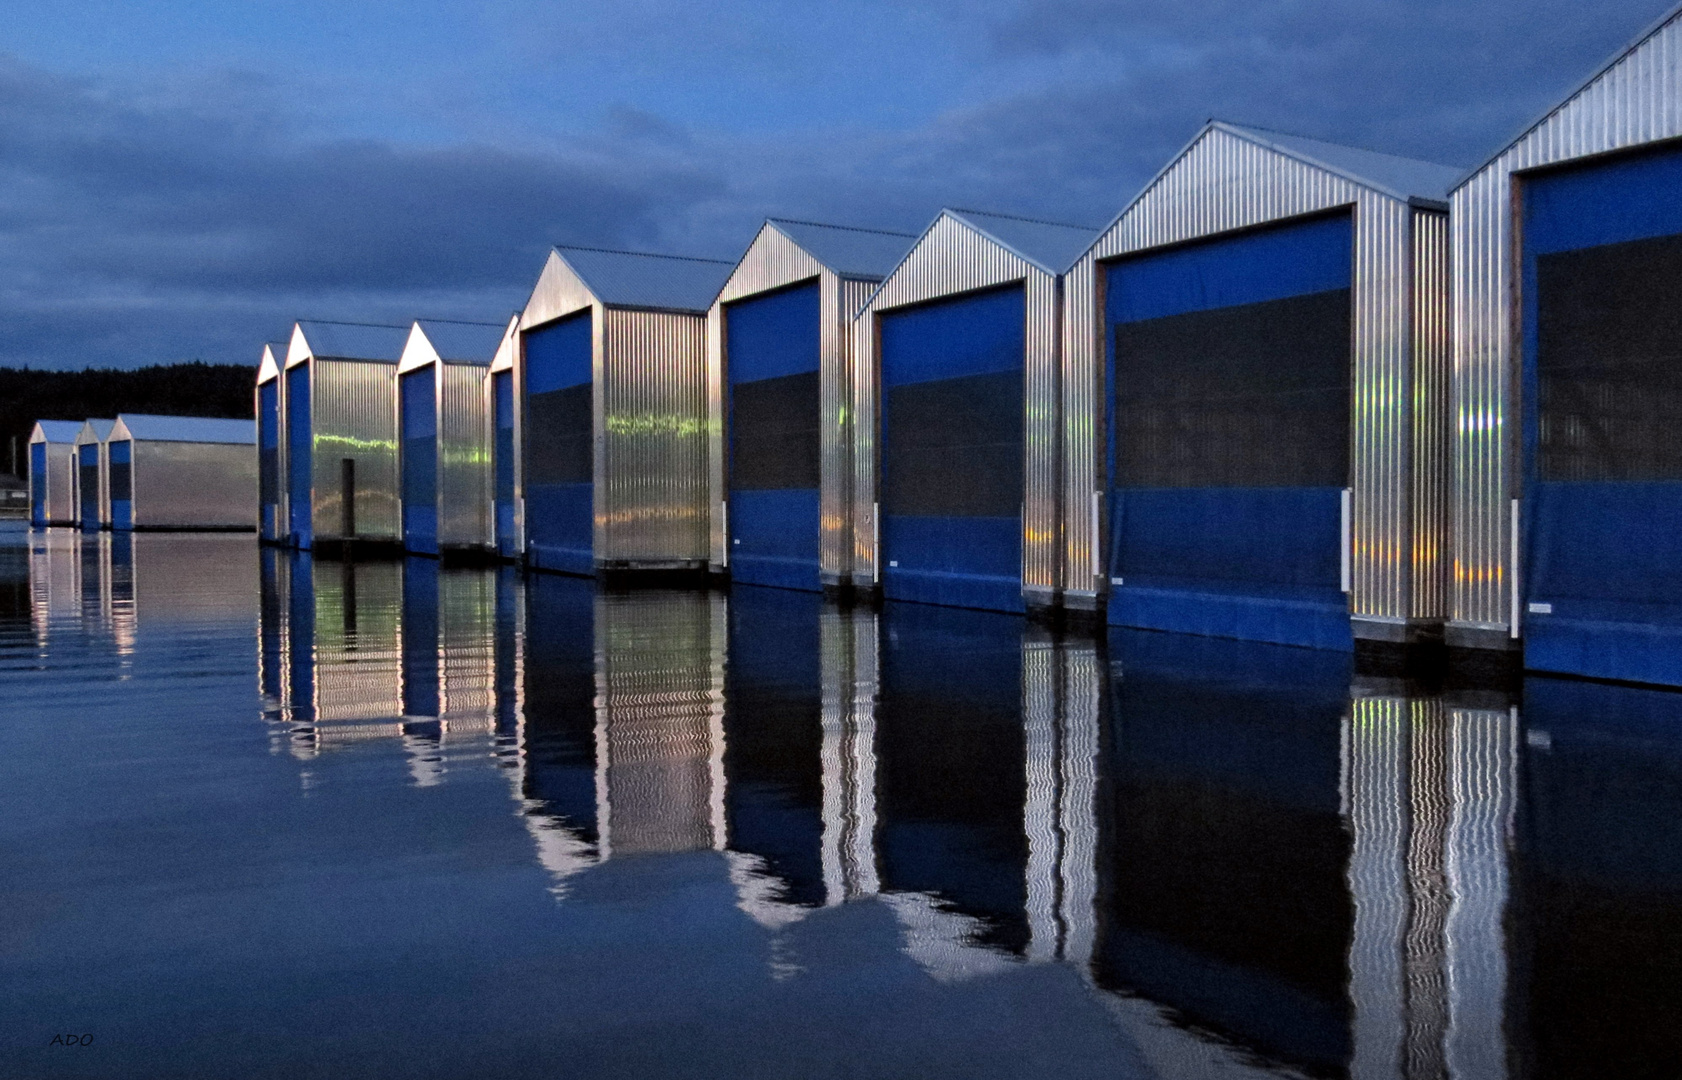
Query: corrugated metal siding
[
  {"x": 1431, "y": 356},
  {"x": 952, "y": 258},
  {"x": 1637, "y": 100},
  {"x": 1223, "y": 183},
  {"x": 839, "y": 436},
  {"x": 652, "y": 438},
  {"x": 464, "y": 455},
  {"x": 771, "y": 262},
  {"x": 61, "y": 481},
  {"x": 354, "y": 415},
  {"x": 193, "y": 486}
]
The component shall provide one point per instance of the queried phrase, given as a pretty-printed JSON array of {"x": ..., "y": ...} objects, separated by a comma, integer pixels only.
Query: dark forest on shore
[{"x": 189, "y": 389}]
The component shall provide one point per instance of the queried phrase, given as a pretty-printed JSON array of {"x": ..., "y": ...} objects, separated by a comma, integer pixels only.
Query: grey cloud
[{"x": 119, "y": 219}]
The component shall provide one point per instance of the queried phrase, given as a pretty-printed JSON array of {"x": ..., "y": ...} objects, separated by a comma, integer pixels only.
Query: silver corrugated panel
[
  {"x": 660, "y": 721},
  {"x": 464, "y": 456},
  {"x": 1221, "y": 183},
  {"x": 839, "y": 436},
  {"x": 849, "y": 652},
  {"x": 181, "y": 485},
  {"x": 1635, "y": 100},
  {"x": 652, "y": 504},
  {"x": 354, "y": 415},
  {"x": 508, "y": 359},
  {"x": 950, "y": 259},
  {"x": 771, "y": 262}
]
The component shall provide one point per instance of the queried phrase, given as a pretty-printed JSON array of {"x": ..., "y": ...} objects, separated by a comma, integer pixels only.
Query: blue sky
[{"x": 180, "y": 179}]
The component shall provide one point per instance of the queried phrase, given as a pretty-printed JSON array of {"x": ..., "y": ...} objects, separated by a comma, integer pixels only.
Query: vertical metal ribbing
[
  {"x": 1431, "y": 420},
  {"x": 949, "y": 259},
  {"x": 463, "y": 455},
  {"x": 1084, "y": 412},
  {"x": 354, "y": 415},
  {"x": 840, "y": 432},
  {"x": 1224, "y": 182},
  {"x": 653, "y": 404},
  {"x": 1633, "y": 101}
]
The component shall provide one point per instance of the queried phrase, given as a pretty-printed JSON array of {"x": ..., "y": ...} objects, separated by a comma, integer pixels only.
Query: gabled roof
[
  {"x": 1653, "y": 28},
  {"x": 57, "y": 431},
  {"x": 353, "y": 341},
  {"x": 639, "y": 279},
  {"x": 1401, "y": 178},
  {"x": 100, "y": 430},
  {"x": 848, "y": 251},
  {"x": 274, "y": 359},
  {"x": 144, "y": 427},
  {"x": 1052, "y": 246},
  {"x": 463, "y": 342}
]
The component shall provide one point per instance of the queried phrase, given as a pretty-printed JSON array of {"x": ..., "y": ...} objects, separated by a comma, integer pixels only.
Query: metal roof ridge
[
  {"x": 1652, "y": 30},
  {"x": 848, "y": 228},
  {"x": 1017, "y": 217},
  {"x": 956, "y": 213},
  {"x": 1259, "y": 137},
  {"x": 643, "y": 254}
]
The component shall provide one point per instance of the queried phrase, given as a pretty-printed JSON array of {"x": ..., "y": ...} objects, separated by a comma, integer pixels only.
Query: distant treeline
[{"x": 191, "y": 389}]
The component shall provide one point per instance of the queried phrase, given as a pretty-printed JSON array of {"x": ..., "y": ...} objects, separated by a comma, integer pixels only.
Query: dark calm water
[{"x": 264, "y": 817}]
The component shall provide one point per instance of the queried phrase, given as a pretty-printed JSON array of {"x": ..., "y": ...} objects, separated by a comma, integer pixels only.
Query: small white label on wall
[
  {"x": 893, "y": 562},
  {"x": 735, "y": 541},
  {"x": 1541, "y": 609},
  {"x": 1115, "y": 581}
]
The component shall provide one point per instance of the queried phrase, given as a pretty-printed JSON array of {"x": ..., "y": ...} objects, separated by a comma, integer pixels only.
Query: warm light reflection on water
[{"x": 470, "y": 823}]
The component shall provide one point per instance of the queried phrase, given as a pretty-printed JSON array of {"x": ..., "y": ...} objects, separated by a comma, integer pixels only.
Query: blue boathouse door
[
  {"x": 1229, "y": 440},
  {"x": 419, "y": 419},
  {"x": 772, "y": 348},
  {"x": 502, "y": 404},
  {"x": 300, "y": 462},
  {"x": 119, "y": 456},
  {"x": 560, "y": 438},
  {"x": 87, "y": 483},
  {"x": 952, "y": 454},
  {"x": 1602, "y": 396},
  {"x": 268, "y": 461}
]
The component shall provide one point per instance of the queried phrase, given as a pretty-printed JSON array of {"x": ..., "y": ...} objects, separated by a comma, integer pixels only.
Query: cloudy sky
[{"x": 181, "y": 179}]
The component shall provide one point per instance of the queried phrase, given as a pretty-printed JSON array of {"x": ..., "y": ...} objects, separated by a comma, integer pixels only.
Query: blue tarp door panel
[
  {"x": 419, "y": 420},
  {"x": 502, "y": 390},
  {"x": 120, "y": 457},
  {"x": 1229, "y": 438},
  {"x": 38, "y": 483},
  {"x": 300, "y": 462},
  {"x": 87, "y": 484},
  {"x": 1602, "y": 371},
  {"x": 559, "y": 438},
  {"x": 952, "y": 451},
  {"x": 268, "y": 460},
  {"x": 772, "y": 345}
]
